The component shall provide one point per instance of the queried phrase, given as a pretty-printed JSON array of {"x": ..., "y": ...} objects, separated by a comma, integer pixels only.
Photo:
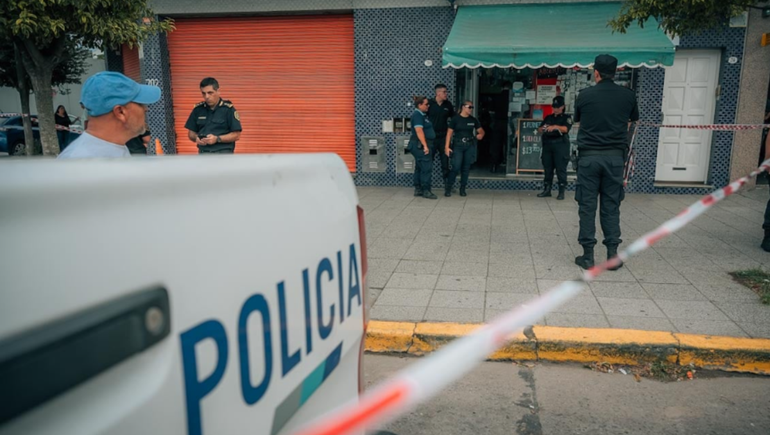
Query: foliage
[{"x": 678, "y": 17}]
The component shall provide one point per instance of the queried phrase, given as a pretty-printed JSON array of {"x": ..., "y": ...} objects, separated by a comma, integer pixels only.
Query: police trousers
[
  {"x": 438, "y": 148},
  {"x": 423, "y": 164},
  {"x": 463, "y": 156},
  {"x": 766, "y": 224},
  {"x": 599, "y": 177},
  {"x": 555, "y": 157}
]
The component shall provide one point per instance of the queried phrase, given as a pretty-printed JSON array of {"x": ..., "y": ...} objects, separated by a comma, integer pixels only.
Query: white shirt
[{"x": 87, "y": 146}]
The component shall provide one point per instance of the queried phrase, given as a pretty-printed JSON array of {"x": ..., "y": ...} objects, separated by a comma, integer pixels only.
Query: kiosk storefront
[{"x": 511, "y": 61}]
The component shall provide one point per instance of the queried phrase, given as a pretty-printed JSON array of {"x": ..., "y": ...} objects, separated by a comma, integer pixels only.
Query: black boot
[
  {"x": 447, "y": 190},
  {"x": 417, "y": 191},
  {"x": 766, "y": 241},
  {"x": 612, "y": 251},
  {"x": 427, "y": 194},
  {"x": 586, "y": 261},
  {"x": 546, "y": 191},
  {"x": 462, "y": 191},
  {"x": 561, "y": 192}
]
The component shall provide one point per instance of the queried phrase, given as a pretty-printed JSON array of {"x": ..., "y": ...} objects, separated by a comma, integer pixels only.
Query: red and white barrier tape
[
  {"x": 428, "y": 376},
  {"x": 713, "y": 127},
  {"x": 63, "y": 128}
]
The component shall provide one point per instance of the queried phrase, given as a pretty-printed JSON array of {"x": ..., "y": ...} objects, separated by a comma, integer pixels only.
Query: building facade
[{"x": 327, "y": 75}]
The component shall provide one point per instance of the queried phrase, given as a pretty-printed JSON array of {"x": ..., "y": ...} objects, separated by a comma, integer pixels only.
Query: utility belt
[
  {"x": 465, "y": 140},
  {"x": 614, "y": 152}
]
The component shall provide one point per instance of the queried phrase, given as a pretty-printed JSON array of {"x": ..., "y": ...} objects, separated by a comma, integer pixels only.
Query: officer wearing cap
[
  {"x": 116, "y": 108},
  {"x": 555, "y": 133},
  {"x": 214, "y": 124},
  {"x": 604, "y": 112}
]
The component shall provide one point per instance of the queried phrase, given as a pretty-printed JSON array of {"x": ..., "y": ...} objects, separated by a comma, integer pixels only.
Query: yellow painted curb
[
  {"x": 384, "y": 337},
  {"x": 615, "y": 346},
  {"x": 725, "y": 353}
]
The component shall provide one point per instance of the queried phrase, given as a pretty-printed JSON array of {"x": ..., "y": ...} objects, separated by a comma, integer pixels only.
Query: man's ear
[{"x": 120, "y": 112}]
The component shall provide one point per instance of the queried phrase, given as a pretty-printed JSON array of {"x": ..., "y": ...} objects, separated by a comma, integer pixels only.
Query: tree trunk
[
  {"x": 29, "y": 138},
  {"x": 41, "y": 84}
]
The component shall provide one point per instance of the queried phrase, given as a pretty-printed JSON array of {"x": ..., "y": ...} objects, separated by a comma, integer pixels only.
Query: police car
[{"x": 179, "y": 295}]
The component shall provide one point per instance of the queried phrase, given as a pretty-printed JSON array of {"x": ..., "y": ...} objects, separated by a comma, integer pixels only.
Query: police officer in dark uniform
[
  {"x": 420, "y": 145},
  {"x": 460, "y": 146},
  {"x": 214, "y": 124},
  {"x": 440, "y": 112},
  {"x": 555, "y": 133},
  {"x": 604, "y": 112}
]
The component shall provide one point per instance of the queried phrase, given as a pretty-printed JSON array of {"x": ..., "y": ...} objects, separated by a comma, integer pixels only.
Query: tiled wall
[{"x": 392, "y": 44}]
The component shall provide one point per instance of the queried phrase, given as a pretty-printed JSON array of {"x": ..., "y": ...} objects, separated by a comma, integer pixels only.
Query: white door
[{"x": 689, "y": 98}]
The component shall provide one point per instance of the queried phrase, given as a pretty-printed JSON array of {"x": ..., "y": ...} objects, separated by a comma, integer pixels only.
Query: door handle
[{"x": 40, "y": 364}]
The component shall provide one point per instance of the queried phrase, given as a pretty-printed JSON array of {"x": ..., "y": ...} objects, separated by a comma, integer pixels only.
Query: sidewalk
[{"x": 467, "y": 259}]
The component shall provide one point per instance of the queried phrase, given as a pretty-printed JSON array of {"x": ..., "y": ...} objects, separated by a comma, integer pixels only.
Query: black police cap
[
  {"x": 558, "y": 101},
  {"x": 606, "y": 64}
]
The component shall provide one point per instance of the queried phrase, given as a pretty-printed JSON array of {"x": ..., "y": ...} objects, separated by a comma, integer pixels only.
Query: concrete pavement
[
  {"x": 544, "y": 399},
  {"x": 467, "y": 259}
]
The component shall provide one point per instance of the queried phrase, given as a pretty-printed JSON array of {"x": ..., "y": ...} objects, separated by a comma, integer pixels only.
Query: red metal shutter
[
  {"x": 131, "y": 62},
  {"x": 290, "y": 78}
]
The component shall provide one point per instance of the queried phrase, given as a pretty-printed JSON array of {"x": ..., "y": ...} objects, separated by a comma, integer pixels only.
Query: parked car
[
  {"x": 241, "y": 311},
  {"x": 12, "y": 133}
]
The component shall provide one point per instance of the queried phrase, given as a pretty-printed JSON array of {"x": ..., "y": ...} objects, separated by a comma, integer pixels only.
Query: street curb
[{"x": 585, "y": 345}]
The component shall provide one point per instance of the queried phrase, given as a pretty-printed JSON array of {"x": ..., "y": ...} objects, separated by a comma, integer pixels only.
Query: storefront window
[{"x": 510, "y": 100}]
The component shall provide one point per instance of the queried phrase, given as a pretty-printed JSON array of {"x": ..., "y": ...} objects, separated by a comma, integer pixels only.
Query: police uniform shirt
[
  {"x": 223, "y": 119},
  {"x": 556, "y": 137},
  {"x": 603, "y": 112},
  {"x": 463, "y": 128},
  {"x": 440, "y": 115},
  {"x": 419, "y": 119}
]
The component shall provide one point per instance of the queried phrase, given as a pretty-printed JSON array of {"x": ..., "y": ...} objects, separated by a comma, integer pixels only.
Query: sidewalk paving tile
[
  {"x": 630, "y": 307},
  {"x": 504, "y": 284},
  {"x": 457, "y": 299},
  {"x": 467, "y": 283},
  {"x": 627, "y": 290},
  {"x": 577, "y": 320},
  {"x": 677, "y": 292},
  {"x": 395, "y": 313},
  {"x": 523, "y": 271},
  {"x": 693, "y": 310},
  {"x": 459, "y": 315},
  {"x": 465, "y": 268},
  {"x": 412, "y": 280},
  {"x": 580, "y": 304},
  {"x": 708, "y": 327},
  {"x": 419, "y": 267},
  {"x": 506, "y": 301},
  {"x": 404, "y": 297},
  {"x": 641, "y": 323}
]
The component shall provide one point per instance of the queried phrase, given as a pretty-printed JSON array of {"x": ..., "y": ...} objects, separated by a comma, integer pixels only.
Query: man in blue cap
[
  {"x": 604, "y": 112},
  {"x": 116, "y": 108}
]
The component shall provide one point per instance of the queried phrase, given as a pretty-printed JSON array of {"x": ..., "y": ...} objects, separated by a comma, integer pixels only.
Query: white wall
[{"x": 10, "y": 103}]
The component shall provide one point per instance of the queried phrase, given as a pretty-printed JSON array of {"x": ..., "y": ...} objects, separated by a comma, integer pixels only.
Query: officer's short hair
[
  {"x": 419, "y": 99},
  {"x": 439, "y": 86},
  {"x": 210, "y": 81},
  {"x": 606, "y": 76}
]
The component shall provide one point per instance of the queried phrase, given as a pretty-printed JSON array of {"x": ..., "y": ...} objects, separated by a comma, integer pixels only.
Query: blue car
[{"x": 12, "y": 133}]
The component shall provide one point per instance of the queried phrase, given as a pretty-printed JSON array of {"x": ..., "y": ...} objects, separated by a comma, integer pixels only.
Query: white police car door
[{"x": 178, "y": 295}]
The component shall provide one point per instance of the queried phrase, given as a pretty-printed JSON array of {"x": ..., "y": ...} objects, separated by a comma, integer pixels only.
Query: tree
[
  {"x": 41, "y": 30},
  {"x": 679, "y": 17},
  {"x": 12, "y": 74}
]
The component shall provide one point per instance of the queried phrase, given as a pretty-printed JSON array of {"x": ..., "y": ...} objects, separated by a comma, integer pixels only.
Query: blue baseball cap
[{"x": 105, "y": 90}]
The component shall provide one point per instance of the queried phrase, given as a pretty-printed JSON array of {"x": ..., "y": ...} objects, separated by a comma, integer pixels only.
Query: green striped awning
[{"x": 550, "y": 35}]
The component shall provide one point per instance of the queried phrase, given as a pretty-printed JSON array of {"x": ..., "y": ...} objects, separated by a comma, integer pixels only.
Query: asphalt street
[{"x": 506, "y": 398}]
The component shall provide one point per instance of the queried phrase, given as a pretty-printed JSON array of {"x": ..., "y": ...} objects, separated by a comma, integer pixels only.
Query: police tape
[
  {"x": 713, "y": 127},
  {"x": 63, "y": 128},
  {"x": 430, "y": 375}
]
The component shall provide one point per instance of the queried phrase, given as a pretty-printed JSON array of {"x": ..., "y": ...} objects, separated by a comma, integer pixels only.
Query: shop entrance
[{"x": 510, "y": 103}]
